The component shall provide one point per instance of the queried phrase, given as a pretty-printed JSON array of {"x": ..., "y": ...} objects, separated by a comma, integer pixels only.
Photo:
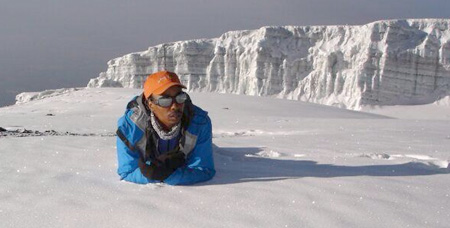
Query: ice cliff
[{"x": 381, "y": 63}]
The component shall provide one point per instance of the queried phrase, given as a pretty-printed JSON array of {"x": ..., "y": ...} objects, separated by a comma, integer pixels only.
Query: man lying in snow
[{"x": 163, "y": 137}]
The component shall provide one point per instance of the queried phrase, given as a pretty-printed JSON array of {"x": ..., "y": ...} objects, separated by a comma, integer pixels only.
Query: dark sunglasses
[{"x": 167, "y": 101}]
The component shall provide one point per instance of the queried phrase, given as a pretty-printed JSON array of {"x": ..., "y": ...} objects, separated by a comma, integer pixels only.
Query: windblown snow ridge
[
  {"x": 381, "y": 63},
  {"x": 31, "y": 96}
]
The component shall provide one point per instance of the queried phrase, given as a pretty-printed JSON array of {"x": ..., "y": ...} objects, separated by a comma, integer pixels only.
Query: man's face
[{"x": 169, "y": 116}]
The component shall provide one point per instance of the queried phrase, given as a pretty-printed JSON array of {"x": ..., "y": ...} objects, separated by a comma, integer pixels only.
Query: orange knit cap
[{"x": 159, "y": 82}]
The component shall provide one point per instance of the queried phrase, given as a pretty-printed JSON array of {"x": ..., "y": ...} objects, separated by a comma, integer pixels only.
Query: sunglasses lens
[
  {"x": 181, "y": 98},
  {"x": 164, "y": 101}
]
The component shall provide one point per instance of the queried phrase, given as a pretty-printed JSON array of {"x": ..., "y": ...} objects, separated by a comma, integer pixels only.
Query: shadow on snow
[{"x": 233, "y": 166}]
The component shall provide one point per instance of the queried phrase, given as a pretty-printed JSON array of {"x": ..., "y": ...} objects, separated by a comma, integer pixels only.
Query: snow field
[{"x": 279, "y": 163}]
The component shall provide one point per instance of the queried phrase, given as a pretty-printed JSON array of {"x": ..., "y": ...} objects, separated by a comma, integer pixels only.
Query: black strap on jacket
[
  {"x": 151, "y": 145},
  {"x": 125, "y": 140}
]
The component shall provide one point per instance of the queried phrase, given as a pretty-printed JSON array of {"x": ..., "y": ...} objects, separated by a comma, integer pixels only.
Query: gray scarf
[{"x": 172, "y": 133}]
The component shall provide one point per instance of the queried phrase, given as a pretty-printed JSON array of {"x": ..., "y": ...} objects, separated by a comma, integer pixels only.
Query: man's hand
[
  {"x": 153, "y": 171},
  {"x": 172, "y": 160},
  {"x": 167, "y": 164}
]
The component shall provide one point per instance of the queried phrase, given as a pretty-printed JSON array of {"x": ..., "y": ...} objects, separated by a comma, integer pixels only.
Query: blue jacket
[{"x": 197, "y": 145}]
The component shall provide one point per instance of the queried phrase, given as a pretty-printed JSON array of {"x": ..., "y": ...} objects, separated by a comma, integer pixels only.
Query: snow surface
[
  {"x": 31, "y": 96},
  {"x": 280, "y": 163},
  {"x": 390, "y": 62}
]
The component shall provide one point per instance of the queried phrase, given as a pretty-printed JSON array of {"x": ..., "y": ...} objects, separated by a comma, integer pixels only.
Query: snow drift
[
  {"x": 381, "y": 63},
  {"x": 31, "y": 96}
]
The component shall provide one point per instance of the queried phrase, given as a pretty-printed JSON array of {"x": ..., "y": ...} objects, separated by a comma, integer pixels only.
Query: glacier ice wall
[{"x": 381, "y": 63}]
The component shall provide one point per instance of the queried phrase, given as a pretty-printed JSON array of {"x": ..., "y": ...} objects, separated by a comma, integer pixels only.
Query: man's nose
[{"x": 175, "y": 105}]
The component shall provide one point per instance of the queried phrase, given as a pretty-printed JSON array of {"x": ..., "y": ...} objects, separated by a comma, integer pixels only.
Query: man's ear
[{"x": 149, "y": 104}]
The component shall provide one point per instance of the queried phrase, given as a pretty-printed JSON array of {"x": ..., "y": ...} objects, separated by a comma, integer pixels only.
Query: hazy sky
[{"x": 48, "y": 44}]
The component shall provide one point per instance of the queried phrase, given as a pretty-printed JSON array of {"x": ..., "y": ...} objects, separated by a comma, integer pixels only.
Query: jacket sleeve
[
  {"x": 199, "y": 164},
  {"x": 128, "y": 169}
]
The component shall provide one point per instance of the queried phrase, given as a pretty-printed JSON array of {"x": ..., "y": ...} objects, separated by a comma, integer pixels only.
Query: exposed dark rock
[{"x": 28, "y": 133}]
